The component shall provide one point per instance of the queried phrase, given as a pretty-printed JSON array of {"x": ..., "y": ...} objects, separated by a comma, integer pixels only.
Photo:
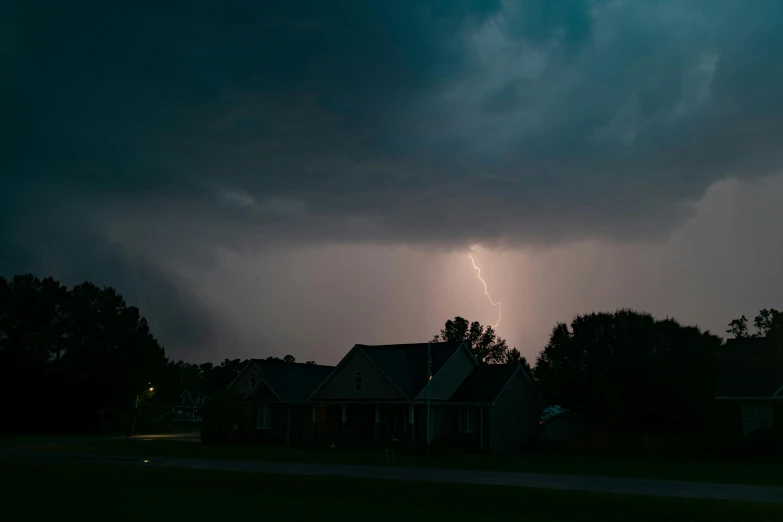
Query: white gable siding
[
  {"x": 451, "y": 375},
  {"x": 242, "y": 383},
  {"x": 342, "y": 383}
]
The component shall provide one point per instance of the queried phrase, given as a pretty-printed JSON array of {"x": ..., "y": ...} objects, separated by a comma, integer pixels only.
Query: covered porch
[{"x": 389, "y": 424}]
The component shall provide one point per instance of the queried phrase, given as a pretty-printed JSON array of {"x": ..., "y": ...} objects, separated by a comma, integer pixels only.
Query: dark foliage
[
  {"x": 768, "y": 324},
  {"x": 486, "y": 345},
  {"x": 628, "y": 372},
  {"x": 72, "y": 360},
  {"x": 84, "y": 360}
]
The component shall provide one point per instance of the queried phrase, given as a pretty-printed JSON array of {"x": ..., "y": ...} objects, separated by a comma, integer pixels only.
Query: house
[
  {"x": 749, "y": 385},
  {"x": 382, "y": 395},
  {"x": 188, "y": 407},
  {"x": 391, "y": 395},
  {"x": 275, "y": 404}
]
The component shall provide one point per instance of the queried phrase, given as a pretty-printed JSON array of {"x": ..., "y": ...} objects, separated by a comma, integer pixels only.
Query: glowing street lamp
[{"x": 136, "y": 407}]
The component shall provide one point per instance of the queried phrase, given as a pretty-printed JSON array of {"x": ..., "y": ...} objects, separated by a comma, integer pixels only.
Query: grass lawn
[
  {"x": 758, "y": 472},
  {"x": 116, "y": 492}
]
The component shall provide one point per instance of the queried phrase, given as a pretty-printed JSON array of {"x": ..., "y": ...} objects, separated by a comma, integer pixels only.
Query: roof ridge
[
  {"x": 264, "y": 361},
  {"x": 409, "y": 344}
]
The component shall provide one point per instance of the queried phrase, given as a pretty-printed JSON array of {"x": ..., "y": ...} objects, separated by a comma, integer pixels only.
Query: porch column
[
  {"x": 344, "y": 421},
  {"x": 288, "y": 425},
  {"x": 315, "y": 423},
  {"x": 481, "y": 428},
  {"x": 412, "y": 423},
  {"x": 377, "y": 426},
  {"x": 431, "y": 423}
]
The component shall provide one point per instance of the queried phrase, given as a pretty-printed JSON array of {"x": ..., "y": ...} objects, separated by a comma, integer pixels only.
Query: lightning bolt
[{"x": 478, "y": 274}]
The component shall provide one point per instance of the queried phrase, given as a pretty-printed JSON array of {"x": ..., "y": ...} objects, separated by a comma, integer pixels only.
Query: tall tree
[
  {"x": 768, "y": 323},
  {"x": 85, "y": 349},
  {"x": 486, "y": 345},
  {"x": 739, "y": 328},
  {"x": 628, "y": 371}
]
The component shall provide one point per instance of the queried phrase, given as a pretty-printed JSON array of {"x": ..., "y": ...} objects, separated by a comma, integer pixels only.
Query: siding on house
[
  {"x": 242, "y": 384},
  {"x": 514, "y": 417},
  {"x": 185, "y": 400},
  {"x": 340, "y": 386},
  {"x": 262, "y": 393},
  {"x": 451, "y": 375}
]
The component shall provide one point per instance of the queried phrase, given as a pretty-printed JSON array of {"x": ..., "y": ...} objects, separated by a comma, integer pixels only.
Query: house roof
[
  {"x": 292, "y": 381},
  {"x": 750, "y": 367},
  {"x": 406, "y": 364},
  {"x": 485, "y": 383},
  {"x": 193, "y": 395}
]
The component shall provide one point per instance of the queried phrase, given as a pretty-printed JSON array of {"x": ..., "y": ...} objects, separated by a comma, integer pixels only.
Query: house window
[
  {"x": 756, "y": 417},
  {"x": 253, "y": 379},
  {"x": 264, "y": 420},
  {"x": 357, "y": 381},
  {"x": 468, "y": 420}
]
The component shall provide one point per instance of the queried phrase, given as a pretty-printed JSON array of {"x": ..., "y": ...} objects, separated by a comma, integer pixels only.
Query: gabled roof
[
  {"x": 192, "y": 395},
  {"x": 195, "y": 394},
  {"x": 292, "y": 381},
  {"x": 485, "y": 383},
  {"x": 406, "y": 365},
  {"x": 250, "y": 364},
  {"x": 750, "y": 367}
]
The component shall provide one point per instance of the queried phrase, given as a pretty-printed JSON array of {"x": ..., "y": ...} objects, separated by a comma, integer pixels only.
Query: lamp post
[
  {"x": 429, "y": 396},
  {"x": 136, "y": 407}
]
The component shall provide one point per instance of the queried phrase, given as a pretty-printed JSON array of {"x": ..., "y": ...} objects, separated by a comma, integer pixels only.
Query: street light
[{"x": 136, "y": 407}]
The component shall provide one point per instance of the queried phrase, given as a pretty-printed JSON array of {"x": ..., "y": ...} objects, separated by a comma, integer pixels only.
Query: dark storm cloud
[
  {"x": 376, "y": 120},
  {"x": 67, "y": 248},
  {"x": 163, "y": 132}
]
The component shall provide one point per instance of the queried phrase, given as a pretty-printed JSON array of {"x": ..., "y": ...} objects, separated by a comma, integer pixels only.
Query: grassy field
[
  {"x": 90, "y": 491},
  {"x": 758, "y": 472}
]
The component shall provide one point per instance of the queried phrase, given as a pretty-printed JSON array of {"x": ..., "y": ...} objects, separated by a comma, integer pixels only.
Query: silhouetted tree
[
  {"x": 287, "y": 359},
  {"x": 739, "y": 328},
  {"x": 627, "y": 371},
  {"x": 90, "y": 356},
  {"x": 768, "y": 323},
  {"x": 85, "y": 350},
  {"x": 486, "y": 345},
  {"x": 514, "y": 357}
]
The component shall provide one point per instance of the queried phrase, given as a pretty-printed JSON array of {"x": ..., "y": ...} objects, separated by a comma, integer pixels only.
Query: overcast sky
[{"x": 264, "y": 178}]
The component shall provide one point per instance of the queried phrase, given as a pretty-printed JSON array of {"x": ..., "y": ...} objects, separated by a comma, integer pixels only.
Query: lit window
[
  {"x": 357, "y": 381},
  {"x": 264, "y": 421},
  {"x": 468, "y": 420},
  {"x": 756, "y": 417}
]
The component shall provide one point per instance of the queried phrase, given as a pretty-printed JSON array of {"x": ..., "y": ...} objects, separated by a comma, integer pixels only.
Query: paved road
[
  {"x": 41, "y": 440},
  {"x": 527, "y": 480}
]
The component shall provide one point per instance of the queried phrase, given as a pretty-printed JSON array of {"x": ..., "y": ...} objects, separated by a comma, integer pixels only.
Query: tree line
[
  {"x": 81, "y": 358},
  {"x": 625, "y": 371}
]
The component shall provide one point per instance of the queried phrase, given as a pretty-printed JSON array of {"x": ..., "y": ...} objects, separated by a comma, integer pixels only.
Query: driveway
[{"x": 526, "y": 480}]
